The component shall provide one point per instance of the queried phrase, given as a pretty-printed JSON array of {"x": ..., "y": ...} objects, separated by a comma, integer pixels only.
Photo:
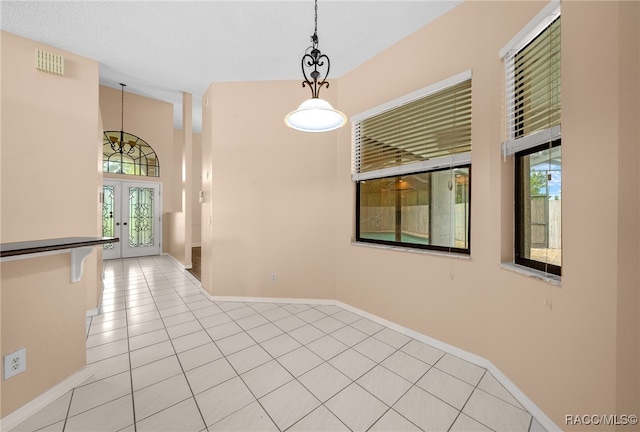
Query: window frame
[
  {"x": 519, "y": 145},
  {"x": 435, "y": 164},
  {"x": 121, "y": 160},
  {"x": 448, "y": 249},
  {"x": 519, "y": 218}
]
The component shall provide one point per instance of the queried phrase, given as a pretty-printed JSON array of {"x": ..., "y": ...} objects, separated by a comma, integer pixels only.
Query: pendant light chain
[
  {"x": 315, "y": 32},
  {"x": 122, "y": 108},
  {"x": 121, "y": 144}
]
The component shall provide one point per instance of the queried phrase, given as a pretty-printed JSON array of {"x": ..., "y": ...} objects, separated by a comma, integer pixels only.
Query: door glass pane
[
  {"x": 108, "y": 194},
  {"x": 141, "y": 217}
]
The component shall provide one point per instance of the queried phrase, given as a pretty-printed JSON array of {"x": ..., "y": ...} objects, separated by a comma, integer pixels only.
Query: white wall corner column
[{"x": 187, "y": 172}]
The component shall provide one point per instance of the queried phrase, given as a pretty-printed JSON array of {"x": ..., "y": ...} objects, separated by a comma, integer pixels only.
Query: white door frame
[{"x": 121, "y": 212}]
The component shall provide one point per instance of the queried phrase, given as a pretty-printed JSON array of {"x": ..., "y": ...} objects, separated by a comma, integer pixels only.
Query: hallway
[{"x": 196, "y": 262}]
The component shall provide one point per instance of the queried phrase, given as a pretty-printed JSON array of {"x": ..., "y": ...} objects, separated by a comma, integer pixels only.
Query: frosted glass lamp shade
[{"x": 315, "y": 115}]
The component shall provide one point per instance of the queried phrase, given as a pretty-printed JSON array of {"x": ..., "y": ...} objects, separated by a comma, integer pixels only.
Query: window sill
[
  {"x": 413, "y": 250},
  {"x": 536, "y": 274}
]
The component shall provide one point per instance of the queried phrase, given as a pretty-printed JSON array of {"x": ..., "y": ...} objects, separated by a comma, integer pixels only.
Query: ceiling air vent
[{"x": 49, "y": 62}]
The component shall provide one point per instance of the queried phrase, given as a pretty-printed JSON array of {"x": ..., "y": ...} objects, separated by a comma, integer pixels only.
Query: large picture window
[
  {"x": 412, "y": 168},
  {"x": 534, "y": 139},
  {"x": 427, "y": 210}
]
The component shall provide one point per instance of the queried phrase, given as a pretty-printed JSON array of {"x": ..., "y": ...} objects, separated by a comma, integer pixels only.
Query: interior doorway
[{"x": 131, "y": 211}]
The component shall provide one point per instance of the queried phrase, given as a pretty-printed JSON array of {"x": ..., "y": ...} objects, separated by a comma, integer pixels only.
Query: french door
[{"x": 131, "y": 211}]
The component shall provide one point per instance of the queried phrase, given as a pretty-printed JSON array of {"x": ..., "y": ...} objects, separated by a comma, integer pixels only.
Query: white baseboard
[
  {"x": 92, "y": 312},
  {"x": 178, "y": 263},
  {"x": 26, "y": 411},
  {"x": 527, "y": 403},
  {"x": 269, "y": 300}
]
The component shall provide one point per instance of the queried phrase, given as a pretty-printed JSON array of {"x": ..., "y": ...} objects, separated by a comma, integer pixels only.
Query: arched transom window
[{"x": 125, "y": 153}]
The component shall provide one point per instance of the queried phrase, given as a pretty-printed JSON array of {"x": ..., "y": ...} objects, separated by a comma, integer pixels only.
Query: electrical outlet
[
  {"x": 14, "y": 363},
  {"x": 274, "y": 277}
]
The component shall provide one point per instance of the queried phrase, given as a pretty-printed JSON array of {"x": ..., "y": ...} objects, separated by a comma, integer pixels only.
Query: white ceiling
[{"x": 163, "y": 48}]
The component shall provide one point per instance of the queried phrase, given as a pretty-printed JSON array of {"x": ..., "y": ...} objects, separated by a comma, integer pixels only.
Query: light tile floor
[{"x": 166, "y": 358}]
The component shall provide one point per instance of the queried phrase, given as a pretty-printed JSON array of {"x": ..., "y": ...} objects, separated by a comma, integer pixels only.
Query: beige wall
[
  {"x": 206, "y": 207},
  {"x": 174, "y": 221},
  {"x": 179, "y": 222},
  {"x": 628, "y": 315},
  {"x": 578, "y": 353},
  {"x": 48, "y": 142},
  {"x": 94, "y": 296},
  {"x": 270, "y": 194},
  {"x": 151, "y": 120},
  {"x": 196, "y": 178}
]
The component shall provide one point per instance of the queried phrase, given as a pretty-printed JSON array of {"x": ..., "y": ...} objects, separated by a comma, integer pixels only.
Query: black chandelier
[
  {"x": 120, "y": 146},
  {"x": 315, "y": 114}
]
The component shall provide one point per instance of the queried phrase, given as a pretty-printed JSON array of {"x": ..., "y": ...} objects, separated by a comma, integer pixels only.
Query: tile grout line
[
  {"x": 403, "y": 394},
  {"x": 126, "y": 319},
  {"x": 371, "y": 336},
  {"x": 184, "y": 374},
  {"x": 326, "y": 361},
  {"x": 467, "y": 401},
  {"x": 226, "y": 312},
  {"x": 66, "y": 417},
  {"x": 258, "y": 344},
  {"x": 102, "y": 404},
  {"x": 234, "y": 369},
  {"x": 323, "y": 362},
  {"x": 73, "y": 394},
  {"x": 73, "y": 390}
]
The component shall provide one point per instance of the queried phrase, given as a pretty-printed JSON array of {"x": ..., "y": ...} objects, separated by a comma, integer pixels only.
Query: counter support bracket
[
  {"x": 78, "y": 257},
  {"x": 79, "y": 247}
]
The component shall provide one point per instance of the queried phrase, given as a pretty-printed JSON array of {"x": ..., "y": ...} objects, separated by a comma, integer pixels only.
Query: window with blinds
[
  {"x": 536, "y": 83},
  {"x": 533, "y": 95},
  {"x": 412, "y": 167},
  {"x": 533, "y": 88},
  {"x": 420, "y": 134}
]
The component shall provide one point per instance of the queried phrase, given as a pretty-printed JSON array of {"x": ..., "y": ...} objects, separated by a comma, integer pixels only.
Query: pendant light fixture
[
  {"x": 119, "y": 145},
  {"x": 315, "y": 114}
]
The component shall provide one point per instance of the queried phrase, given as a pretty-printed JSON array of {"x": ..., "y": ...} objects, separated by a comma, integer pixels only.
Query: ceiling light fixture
[
  {"x": 119, "y": 145},
  {"x": 315, "y": 114}
]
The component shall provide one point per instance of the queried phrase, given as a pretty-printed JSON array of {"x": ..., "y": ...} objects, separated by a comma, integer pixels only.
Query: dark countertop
[{"x": 38, "y": 246}]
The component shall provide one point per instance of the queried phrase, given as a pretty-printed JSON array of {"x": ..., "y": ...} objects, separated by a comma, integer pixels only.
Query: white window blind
[
  {"x": 533, "y": 87},
  {"x": 417, "y": 134}
]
